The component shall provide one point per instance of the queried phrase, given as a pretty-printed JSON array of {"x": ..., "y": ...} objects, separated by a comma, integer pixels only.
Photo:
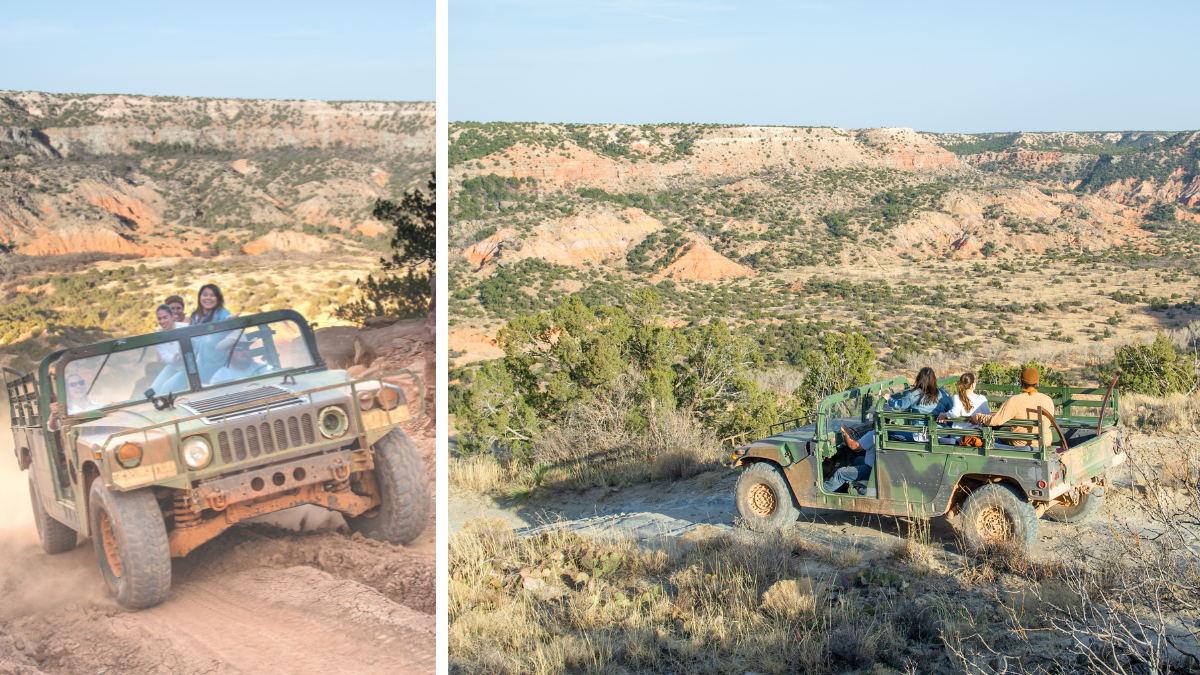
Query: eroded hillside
[{"x": 155, "y": 176}]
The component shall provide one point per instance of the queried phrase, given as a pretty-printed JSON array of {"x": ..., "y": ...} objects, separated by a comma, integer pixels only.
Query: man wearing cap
[
  {"x": 1021, "y": 406},
  {"x": 241, "y": 364}
]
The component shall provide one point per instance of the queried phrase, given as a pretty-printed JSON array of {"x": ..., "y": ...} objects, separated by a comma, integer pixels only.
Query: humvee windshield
[
  {"x": 108, "y": 379},
  {"x": 242, "y": 354},
  {"x": 224, "y": 358},
  {"x": 855, "y": 406}
]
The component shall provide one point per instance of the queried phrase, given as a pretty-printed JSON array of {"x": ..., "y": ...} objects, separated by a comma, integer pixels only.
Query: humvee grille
[
  {"x": 226, "y": 453},
  {"x": 255, "y": 440},
  {"x": 216, "y": 403},
  {"x": 294, "y": 428},
  {"x": 306, "y": 423},
  {"x": 239, "y": 444}
]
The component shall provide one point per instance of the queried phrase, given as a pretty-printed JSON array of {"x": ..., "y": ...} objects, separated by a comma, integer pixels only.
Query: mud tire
[
  {"x": 404, "y": 492},
  {"x": 1076, "y": 513},
  {"x": 1000, "y": 504},
  {"x": 134, "y": 522},
  {"x": 764, "y": 499},
  {"x": 54, "y": 535}
]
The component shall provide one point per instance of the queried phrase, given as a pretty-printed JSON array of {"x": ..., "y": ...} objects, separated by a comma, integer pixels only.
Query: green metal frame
[{"x": 59, "y": 359}]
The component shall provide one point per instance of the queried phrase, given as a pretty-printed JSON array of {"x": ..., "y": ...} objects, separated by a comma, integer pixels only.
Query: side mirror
[{"x": 161, "y": 402}]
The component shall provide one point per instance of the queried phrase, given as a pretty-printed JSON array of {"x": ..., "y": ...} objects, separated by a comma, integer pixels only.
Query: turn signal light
[
  {"x": 129, "y": 455},
  {"x": 387, "y": 398},
  {"x": 366, "y": 400},
  {"x": 1041, "y": 483}
]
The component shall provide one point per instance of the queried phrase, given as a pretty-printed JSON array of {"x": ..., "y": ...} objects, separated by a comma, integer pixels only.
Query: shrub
[
  {"x": 1155, "y": 369},
  {"x": 996, "y": 373}
]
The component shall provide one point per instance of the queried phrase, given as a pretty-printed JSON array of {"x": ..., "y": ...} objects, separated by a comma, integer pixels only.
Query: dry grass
[
  {"x": 913, "y": 548},
  {"x": 726, "y": 603},
  {"x": 1171, "y": 414},
  {"x": 481, "y": 473}
]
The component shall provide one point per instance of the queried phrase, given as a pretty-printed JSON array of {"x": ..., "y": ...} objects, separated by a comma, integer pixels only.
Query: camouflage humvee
[
  {"x": 1000, "y": 490},
  {"x": 247, "y": 421}
]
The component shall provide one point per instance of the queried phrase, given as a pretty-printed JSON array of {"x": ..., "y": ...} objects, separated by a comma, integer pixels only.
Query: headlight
[
  {"x": 197, "y": 453},
  {"x": 332, "y": 422},
  {"x": 129, "y": 455},
  {"x": 389, "y": 397}
]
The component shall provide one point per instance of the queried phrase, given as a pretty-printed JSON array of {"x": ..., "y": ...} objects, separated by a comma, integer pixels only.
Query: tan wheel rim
[
  {"x": 109, "y": 537},
  {"x": 993, "y": 525},
  {"x": 762, "y": 500}
]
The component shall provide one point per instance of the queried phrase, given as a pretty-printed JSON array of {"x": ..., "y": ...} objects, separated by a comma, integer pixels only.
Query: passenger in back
[
  {"x": 966, "y": 404},
  {"x": 171, "y": 378},
  {"x": 1021, "y": 406},
  {"x": 210, "y": 307},
  {"x": 175, "y": 302}
]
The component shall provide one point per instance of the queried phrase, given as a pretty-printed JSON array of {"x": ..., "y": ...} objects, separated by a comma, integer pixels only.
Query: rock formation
[{"x": 702, "y": 263}]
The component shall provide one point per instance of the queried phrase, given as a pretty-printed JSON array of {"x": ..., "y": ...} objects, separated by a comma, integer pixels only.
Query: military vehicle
[
  {"x": 248, "y": 421},
  {"x": 1001, "y": 488}
]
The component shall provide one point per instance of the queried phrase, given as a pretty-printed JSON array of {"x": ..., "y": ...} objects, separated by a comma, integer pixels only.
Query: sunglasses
[
  {"x": 77, "y": 383},
  {"x": 241, "y": 348}
]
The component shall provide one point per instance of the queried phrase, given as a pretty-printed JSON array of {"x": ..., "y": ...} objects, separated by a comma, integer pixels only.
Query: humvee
[
  {"x": 249, "y": 421},
  {"x": 1000, "y": 488}
]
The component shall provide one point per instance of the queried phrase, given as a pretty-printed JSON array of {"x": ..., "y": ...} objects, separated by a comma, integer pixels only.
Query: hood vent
[{"x": 215, "y": 404}]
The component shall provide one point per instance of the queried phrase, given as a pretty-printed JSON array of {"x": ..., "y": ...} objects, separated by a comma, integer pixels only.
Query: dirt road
[
  {"x": 259, "y": 599},
  {"x": 648, "y": 511}
]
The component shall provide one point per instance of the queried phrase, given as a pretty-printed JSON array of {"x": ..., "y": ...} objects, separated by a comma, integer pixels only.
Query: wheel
[
  {"x": 764, "y": 499},
  {"x": 1078, "y": 511},
  {"x": 403, "y": 491},
  {"x": 56, "y": 537},
  {"x": 131, "y": 546},
  {"x": 996, "y": 514}
]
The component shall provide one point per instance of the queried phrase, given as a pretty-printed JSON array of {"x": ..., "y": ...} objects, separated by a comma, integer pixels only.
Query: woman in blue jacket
[
  {"x": 210, "y": 307},
  {"x": 923, "y": 397}
]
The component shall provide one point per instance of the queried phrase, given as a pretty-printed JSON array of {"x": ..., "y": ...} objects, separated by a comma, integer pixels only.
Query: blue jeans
[
  {"x": 169, "y": 380},
  {"x": 848, "y": 474}
]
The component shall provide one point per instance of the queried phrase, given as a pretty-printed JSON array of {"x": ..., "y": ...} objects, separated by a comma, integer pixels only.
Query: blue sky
[
  {"x": 297, "y": 50},
  {"x": 933, "y": 66}
]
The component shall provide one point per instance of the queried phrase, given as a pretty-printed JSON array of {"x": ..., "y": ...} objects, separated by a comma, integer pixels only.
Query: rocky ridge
[{"x": 157, "y": 176}]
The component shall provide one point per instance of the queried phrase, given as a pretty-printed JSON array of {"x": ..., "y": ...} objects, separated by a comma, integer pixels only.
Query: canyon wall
[{"x": 172, "y": 176}]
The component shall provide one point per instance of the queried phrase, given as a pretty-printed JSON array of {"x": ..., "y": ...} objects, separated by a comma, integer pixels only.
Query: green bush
[
  {"x": 996, "y": 373},
  {"x": 1155, "y": 369}
]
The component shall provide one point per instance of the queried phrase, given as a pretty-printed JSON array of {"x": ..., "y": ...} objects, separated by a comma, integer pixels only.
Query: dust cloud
[{"x": 16, "y": 513}]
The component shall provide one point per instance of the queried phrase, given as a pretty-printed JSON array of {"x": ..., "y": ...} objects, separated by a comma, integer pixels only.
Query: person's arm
[
  {"x": 956, "y": 410},
  {"x": 903, "y": 400},
  {"x": 1006, "y": 412},
  {"x": 946, "y": 403}
]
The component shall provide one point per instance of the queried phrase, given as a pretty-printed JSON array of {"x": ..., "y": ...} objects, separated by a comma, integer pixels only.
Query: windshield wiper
[{"x": 235, "y": 342}]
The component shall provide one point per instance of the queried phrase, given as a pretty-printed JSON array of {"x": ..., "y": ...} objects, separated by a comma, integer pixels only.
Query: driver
[
  {"x": 240, "y": 363},
  {"x": 77, "y": 401}
]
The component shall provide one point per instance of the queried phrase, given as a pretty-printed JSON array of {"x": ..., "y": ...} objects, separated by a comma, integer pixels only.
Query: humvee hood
[{"x": 798, "y": 435}]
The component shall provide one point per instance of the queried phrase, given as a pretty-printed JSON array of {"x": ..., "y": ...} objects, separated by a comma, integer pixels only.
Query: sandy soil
[{"x": 261, "y": 598}]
